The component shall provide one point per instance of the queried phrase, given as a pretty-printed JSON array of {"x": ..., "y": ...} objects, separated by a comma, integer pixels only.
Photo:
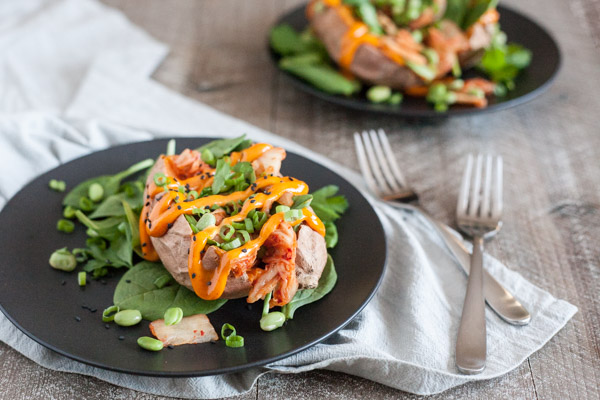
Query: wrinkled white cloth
[{"x": 404, "y": 338}]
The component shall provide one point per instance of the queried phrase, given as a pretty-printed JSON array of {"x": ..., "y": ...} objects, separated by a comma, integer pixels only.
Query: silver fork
[
  {"x": 382, "y": 175},
  {"x": 478, "y": 215}
]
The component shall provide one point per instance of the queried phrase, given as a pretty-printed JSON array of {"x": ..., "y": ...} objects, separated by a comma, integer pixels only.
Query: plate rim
[
  {"x": 217, "y": 371},
  {"x": 428, "y": 114}
]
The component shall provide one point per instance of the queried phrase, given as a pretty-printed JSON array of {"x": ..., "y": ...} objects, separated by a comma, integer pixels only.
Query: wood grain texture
[{"x": 551, "y": 148}]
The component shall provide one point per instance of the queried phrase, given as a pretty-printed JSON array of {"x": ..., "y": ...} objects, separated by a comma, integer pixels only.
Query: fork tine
[
  {"x": 487, "y": 187},
  {"x": 384, "y": 188},
  {"x": 463, "y": 196},
  {"x": 383, "y": 161},
  {"x": 364, "y": 165},
  {"x": 475, "y": 199},
  {"x": 497, "y": 202},
  {"x": 391, "y": 159}
]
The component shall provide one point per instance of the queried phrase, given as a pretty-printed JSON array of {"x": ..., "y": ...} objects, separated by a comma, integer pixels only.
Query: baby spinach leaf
[
  {"x": 307, "y": 296},
  {"x": 137, "y": 290},
  {"x": 222, "y": 147},
  {"x": 110, "y": 183},
  {"x": 331, "y": 234},
  {"x": 326, "y": 205},
  {"x": 285, "y": 40},
  {"x": 112, "y": 205},
  {"x": 222, "y": 173}
]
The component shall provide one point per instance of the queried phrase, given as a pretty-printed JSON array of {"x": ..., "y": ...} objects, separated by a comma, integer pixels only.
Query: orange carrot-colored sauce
[
  {"x": 210, "y": 284},
  {"x": 357, "y": 35}
]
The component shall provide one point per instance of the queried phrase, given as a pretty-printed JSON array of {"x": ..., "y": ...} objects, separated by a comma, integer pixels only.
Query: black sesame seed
[
  {"x": 102, "y": 281},
  {"x": 169, "y": 225},
  {"x": 171, "y": 346},
  {"x": 78, "y": 319},
  {"x": 107, "y": 326},
  {"x": 93, "y": 310},
  {"x": 121, "y": 337},
  {"x": 188, "y": 251},
  {"x": 209, "y": 283},
  {"x": 63, "y": 283},
  {"x": 147, "y": 203},
  {"x": 128, "y": 280},
  {"x": 194, "y": 238},
  {"x": 144, "y": 244},
  {"x": 244, "y": 250},
  {"x": 179, "y": 207},
  {"x": 252, "y": 201},
  {"x": 193, "y": 275},
  {"x": 248, "y": 306}
]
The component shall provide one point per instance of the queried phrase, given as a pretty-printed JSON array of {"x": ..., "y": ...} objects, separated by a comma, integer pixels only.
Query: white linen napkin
[{"x": 404, "y": 338}]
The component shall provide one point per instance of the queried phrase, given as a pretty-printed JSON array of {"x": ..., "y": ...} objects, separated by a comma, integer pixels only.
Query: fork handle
[{"x": 471, "y": 340}]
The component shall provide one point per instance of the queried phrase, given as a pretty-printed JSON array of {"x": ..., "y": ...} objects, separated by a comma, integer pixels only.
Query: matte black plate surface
[
  {"x": 530, "y": 83},
  {"x": 33, "y": 297}
]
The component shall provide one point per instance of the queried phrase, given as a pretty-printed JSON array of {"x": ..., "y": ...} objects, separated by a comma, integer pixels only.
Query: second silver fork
[{"x": 478, "y": 215}]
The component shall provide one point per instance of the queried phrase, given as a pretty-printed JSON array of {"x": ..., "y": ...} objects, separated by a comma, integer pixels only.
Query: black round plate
[
  {"x": 530, "y": 83},
  {"x": 44, "y": 302}
]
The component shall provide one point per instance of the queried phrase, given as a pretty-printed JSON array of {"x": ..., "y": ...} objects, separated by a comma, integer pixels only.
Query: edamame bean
[
  {"x": 151, "y": 344},
  {"x": 173, "y": 316},
  {"x": 63, "y": 259},
  {"x": 64, "y": 225},
  {"x": 95, "y": 192},
  {"x": 128, "y": 317},
  {"x": 272, "y": 321},
  {"x": 379, "y": 94}
]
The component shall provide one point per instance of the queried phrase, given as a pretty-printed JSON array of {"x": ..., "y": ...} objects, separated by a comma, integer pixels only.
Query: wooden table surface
[{"x": 551, "y": 148}]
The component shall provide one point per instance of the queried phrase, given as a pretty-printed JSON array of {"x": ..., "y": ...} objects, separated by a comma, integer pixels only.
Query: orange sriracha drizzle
[{"x": 210, "y": 285}]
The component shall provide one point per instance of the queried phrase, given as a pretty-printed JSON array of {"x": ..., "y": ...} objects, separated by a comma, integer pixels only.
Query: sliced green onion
[
  {"x": 245, "y": 236},
  {"x": 213, "y": 243},
  {"x": 181, "y": 189},
  {"x": 69, "y": 212},
  {"x": 238, "y": 225},
  {"x": 193, "y": 194},
  {"x": 227, "y": 327},
  {"x": 57, "y": 185},
  {"x": 64, "y": 225},
  {"x": 205, "y": 221},
  {"x": 170, "y": 147},
  {"x": 86, "y": 204},
  {"x": 108, "y": 314},
  {"x": 456, "y": 84},
  {"x": 234, "y": 341},
  {"x": 226, "y": 232},
  {"x": 456, "y": 71},
  {"x": 81, "y": 278},
  {"x": 199, "y": 211},
  {"x": 162, "y": 281},
  {"x": 249, "y": 225},
  {"x": 80, "y": 255},
  {"x": 91, "y": 233},
  {"x": 234, "y": 244},
  {"x": 95, "y": 192},
  {"x": 251, "y": 213},
  {"x": 160, "y": 179},
  {"x": 281, "y": 208},
  {"x": 292, "y": 215},
  {"x": 63, "y": 259},
  {"x": 476, "y": 92},
  {"x": 261, "y": 218},
  {"x": 424, "y": 71}
]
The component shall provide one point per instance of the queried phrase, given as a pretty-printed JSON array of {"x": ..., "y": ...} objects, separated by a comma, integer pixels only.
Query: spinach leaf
[
  {"x": 134, "y": 228},
  {"x": 456, "y": 11},
  {"x": 222, "y": 173},
  {"x": 307, "y": 296},
  {"x": 112, "y": 206},
  {"x": 285, "y": 40},
  {"x": 331, "y": 234},
  {"x": 110, "y": 183},
  {"x": 476, "y": 10},
  {"x": 136, "y": 290},
  {"x": 222, "y": 147},
  {"x": 326, "y": 205}
]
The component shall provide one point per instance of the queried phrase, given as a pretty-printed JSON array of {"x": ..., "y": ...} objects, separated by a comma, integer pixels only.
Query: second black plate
[{"x": 530, "y": 83}]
